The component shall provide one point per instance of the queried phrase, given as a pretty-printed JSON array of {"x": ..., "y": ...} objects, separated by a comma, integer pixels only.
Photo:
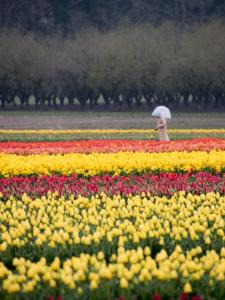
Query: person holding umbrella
[{"x": 162, "y": 113}]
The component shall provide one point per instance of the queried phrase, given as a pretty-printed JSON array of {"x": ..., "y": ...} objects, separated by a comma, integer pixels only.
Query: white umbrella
[{"x": 162, "y": 111}]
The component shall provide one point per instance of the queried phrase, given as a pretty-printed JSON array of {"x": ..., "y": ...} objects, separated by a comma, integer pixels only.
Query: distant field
[{"x": 105, "y": 120}]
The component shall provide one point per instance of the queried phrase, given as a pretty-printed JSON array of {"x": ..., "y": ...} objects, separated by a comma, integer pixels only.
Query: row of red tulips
[
  {"x": 204, "y": 144},
  {"x": 162, "y": 184},
  {"x": 154, "y": 297}
]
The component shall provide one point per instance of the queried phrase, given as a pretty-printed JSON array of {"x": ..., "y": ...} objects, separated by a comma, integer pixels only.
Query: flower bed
[
  {"x": 112, "y": 146},
  {"x": 143, "y": 220},
  {"x": 111, "y": 163},
  {"x": 161, "y": 184},
  {"x": 140, "y": 245},
  {"x": 105, "y": 131},
  {"x": 108, "y": 134}
]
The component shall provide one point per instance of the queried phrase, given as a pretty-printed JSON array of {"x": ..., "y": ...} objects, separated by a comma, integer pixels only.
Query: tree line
[
  {"x": 69, "y": 16},
  {"x": 129, "y": 65}
]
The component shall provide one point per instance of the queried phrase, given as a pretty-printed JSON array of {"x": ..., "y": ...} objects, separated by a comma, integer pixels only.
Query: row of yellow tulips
[
  {"x": 113, "y": 163},
  {"x": 115, "y": 246},
  {"x": 105, "y": 131},
  {"x": 78, "y": 224},
  {"x": 134, "y": 269}
]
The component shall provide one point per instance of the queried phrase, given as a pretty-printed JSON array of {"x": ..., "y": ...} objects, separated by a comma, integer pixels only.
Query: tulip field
[{"x": 112, "y": 219}]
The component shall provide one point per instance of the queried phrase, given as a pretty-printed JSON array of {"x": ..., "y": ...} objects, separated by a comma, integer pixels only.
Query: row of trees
[
  {"x": 68, "y": 16},
  {"x": 129, "y": 65}
]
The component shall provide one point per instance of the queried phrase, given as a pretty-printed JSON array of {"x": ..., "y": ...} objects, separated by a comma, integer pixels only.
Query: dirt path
[{"x": 70, "y": 120}]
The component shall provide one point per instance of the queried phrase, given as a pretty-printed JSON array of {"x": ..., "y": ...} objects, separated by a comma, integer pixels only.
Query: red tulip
[
  {"x": 183, "y": 296},
  {"x": 196, "y": 297},
  {"x": 156, "y": 297}
]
